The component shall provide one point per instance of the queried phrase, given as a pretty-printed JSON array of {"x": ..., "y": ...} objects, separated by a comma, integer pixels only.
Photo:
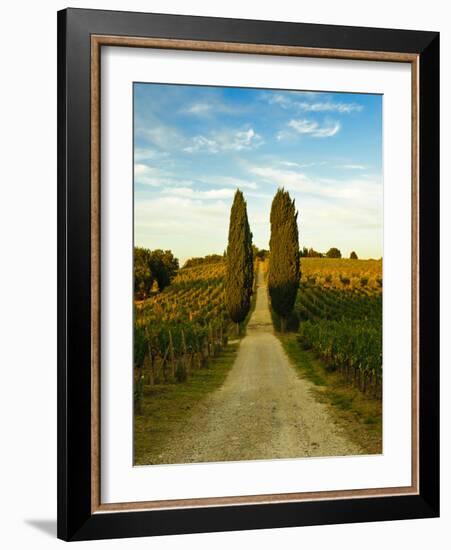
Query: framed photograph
[{"x": 248, "y": 274}]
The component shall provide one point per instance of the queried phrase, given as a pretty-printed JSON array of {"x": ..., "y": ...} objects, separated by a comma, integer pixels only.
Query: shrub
[{"x": 345, "y": 281}]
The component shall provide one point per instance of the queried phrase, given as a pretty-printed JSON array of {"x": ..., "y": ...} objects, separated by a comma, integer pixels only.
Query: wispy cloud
[
  {"x": 237, "y": 140},
  {"x": 180, "y": 230},
  {"x": 312, "y": 127},
  {"x": 194, "y": 145},
  {"x": 324, "y": 203},
  {"x": 146, "y": 154},
  {"x": 309, "y": 127},
  {"x": 326, "y": 188},
  {"x": 297, "y": 165},
  {"x": 145, "y": 174},
  {"x": 189, "y": 192},
  {"x": 278, "y": 99},
  {"x": 289, "y": 179},
  {"x": 352, "y": 166},
  {"x": 286, "y": 101},
  {"x": 202, "y": 144},
  {"x": 210, "y": 107},
  {"x": 162, "y": 136},
  {"x": 329, "y": 106},
  {"x": 229, "y": 181},
  {"x": 197, "y": 109}
]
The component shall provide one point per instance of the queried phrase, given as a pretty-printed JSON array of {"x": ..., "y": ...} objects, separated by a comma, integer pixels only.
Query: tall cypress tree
[
  {"x": 239, "y": 262},
  {"x": 283, "y": 273}
]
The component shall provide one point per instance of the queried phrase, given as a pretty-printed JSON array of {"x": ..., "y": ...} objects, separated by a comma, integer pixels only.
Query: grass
[
  {"x": 165, "y": 407},
  {"x": 360, "y": 415}
]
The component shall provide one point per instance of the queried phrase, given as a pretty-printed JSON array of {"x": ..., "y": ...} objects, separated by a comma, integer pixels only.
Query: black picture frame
[{"x": 75, "y": 518}]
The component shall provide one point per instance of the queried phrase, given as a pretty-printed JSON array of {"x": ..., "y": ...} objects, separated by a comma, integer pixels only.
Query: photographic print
[
  {"x": 257, "y": 270},
  {"x": 247, "y": 222}
]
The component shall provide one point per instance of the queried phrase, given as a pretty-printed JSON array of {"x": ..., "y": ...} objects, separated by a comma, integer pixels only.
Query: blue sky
[{"x": 194, "y": 145}]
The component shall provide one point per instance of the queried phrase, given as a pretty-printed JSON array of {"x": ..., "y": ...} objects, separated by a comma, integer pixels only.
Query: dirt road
[{"x": 263, "y": 410}]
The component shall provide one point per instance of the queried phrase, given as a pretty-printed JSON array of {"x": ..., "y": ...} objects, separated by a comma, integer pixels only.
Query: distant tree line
[
  {"x": 310, "y": 253},
  {"x": 209, "y": 259},
  {"x": 150, "y": 267},
  {"x": 331, "y": 253}
]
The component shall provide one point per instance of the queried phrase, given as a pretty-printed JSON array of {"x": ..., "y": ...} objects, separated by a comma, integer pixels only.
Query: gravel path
[{"x": 263, "y": 410}]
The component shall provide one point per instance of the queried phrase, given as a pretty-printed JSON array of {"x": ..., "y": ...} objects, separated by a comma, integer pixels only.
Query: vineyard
[
  {"x": 339, "y": 305},
  {"x": 183, "y": 354},
  {"x": 177, "y": 330},
  {"x": 342, "y": 273}
]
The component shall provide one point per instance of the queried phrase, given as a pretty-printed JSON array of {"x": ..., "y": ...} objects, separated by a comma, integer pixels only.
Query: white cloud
[
  {"x": 332, "y": 212},
  {"x": 161, "y": 136},
  {"x": 245, "y": 140},
  {"x": 357, "y": 227},
  {"x": 290, "y": 164},
  {"x": 229, "y": 181},
  {"x": 236, "y": 140},
  {"x": 329, "y": 106},
  {"x": 185, "y": 211},
  {"x": 304, "y": 126},
  {"x": 282, "y": 178},
  {"x": 145, "y": 174},
  {"x": 278, "y": 99},
  {"x": 363, "y": 189},
  {"x": 164, "y": 138},
  {"x": 345, "y": 213},
  {"x": 352, "y": 166},
  {"x": 210, "y": 107},
  {"x": 187, "y": 226},
  {"x": 289, "y": 101},
  {"x": 201, "y": 143},
  {"x": 210, "y": 194},
  {"x": 297, "y": 165},
  {"x": 143, "y": 154},
  {"x": 198, "y": 109},
  {"x": 312, "y": 127}
]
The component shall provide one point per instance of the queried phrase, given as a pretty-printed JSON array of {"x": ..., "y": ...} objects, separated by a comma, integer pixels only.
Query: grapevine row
[
  {"x": 341, "y": 318},
  {"x": 179, "y": 329}
]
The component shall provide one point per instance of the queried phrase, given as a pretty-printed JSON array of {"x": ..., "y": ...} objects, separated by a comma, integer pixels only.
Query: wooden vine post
[{"x": 171, "y": 356}]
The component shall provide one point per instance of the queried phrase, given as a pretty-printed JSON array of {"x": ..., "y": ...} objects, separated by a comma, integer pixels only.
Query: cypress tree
[
  {"x": 283, "y": 273},
  {"x": 239, "y": 262}
]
